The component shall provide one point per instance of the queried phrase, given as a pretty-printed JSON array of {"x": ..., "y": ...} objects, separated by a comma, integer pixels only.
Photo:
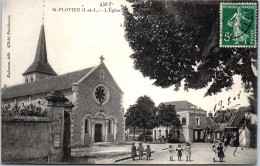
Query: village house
[
  {"x": 193, "y": 121},
  {"x": 231, "y": 126},
  {"x": 97, "y": 115}
]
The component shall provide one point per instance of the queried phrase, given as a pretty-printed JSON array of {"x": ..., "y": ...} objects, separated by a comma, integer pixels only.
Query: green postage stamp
[{"x": 238, "y": 24}]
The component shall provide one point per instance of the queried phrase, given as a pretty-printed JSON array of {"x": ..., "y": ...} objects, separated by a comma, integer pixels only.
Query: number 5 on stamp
[{"x": 238, "y": 24}]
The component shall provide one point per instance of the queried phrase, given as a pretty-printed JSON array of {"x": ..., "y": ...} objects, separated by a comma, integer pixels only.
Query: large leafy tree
[
  {"x": 167, "y": 117},
  {"x": 142, "y": 114},
  {"x": 132, "y": 118},
  {"x": 179, "y": 41}
]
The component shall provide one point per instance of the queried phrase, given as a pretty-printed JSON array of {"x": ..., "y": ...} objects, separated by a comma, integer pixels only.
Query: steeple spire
[
  {"x": 40, "y": 63},
  {"x": 41, "y": 53}
]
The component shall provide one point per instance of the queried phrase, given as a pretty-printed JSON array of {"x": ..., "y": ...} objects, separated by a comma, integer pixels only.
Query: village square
[{"x": 81, "y": 116}]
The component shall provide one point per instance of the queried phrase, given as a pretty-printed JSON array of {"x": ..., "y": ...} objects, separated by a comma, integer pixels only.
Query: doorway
[
  {"x": 198, "y": 135},
  {"x": 98, "y": 133}
]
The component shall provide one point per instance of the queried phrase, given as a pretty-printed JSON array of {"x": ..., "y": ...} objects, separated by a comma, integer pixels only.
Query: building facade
[
  {"x": 193, "y": 122},
  {"x": 97, "y": 115},
  {"x": 232, "y": 126}
]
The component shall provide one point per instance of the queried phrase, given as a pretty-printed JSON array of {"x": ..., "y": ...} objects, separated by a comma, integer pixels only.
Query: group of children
[
  {"x": 179, "y": 150},
  {"x": 141, "y": 150},
  {"x": 148, "y": 151},
  {"x": 216, "y": 152}
]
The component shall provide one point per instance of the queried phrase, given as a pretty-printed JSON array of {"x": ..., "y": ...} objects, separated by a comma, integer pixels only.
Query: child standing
[
  {"x": 148, "y": 152},
  {"x": 188, "y": 151},
  {"x": 214, "y": 150},
  {"x": 179, "y": 152},
  {"x": 133, "y": 151},
  {"x": 140, "y": 150},
  {"x": 171, "y": 152},
  {"x": 221, "y": 154}
]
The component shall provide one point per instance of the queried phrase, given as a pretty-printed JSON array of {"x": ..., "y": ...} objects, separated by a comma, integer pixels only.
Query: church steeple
[
  {"x": 40, "y": 68},
  {"x": 41, "y": 53}
]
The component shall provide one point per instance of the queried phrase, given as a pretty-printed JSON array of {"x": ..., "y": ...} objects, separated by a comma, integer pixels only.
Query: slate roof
[
  {"x": 182, "y": 105},
  {"x": 46, "y": 85},
  {"x": 210, "y": 122},
  {"x": 220, "y": 112},
  {"x": 40, "y": 63},
  {"x": 221, "y": 127},
  {"x": 222, "y": 118},
  {"x": 234, "y": 122}
]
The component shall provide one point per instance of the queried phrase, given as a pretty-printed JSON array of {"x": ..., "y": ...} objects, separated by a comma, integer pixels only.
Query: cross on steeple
[
  {"x": 43, "y": 5},
  {"x": 101, "y": 58}
]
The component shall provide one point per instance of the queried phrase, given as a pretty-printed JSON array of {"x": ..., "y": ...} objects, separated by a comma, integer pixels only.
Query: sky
[{"x": 75, "y": 40}]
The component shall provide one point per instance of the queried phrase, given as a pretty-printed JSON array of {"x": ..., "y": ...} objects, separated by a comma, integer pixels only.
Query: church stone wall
[{"x": 86, "y": 105}]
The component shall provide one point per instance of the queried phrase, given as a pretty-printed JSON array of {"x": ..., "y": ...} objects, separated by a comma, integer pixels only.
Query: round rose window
[{"x": 100, "y": 94}]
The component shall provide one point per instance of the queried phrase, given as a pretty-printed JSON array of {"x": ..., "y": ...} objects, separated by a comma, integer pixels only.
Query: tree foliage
[
  {"x": 167, "y": 116},
  {"x": 141, "y": 114},
  {"x": 179, "y": 41},
  {"x": 146, "y": 112},
  {"x": 131, "y": 117}
]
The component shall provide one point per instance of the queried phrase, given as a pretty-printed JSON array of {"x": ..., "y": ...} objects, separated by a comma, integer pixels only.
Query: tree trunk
[
  {"x": 134, "y": 133},
  {"x": 167, "y": 134},
  {"x": 251, "y": 76},
  {"x": 144, "y": 134}
]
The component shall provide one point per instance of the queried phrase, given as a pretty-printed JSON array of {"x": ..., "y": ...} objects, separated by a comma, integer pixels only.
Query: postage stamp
[
  {"x": 124, "y": 82},
  {"x": 238, "y": 24}
]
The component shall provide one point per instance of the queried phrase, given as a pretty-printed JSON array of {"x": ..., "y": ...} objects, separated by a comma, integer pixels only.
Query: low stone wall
[{"x": 25, "y": 139}]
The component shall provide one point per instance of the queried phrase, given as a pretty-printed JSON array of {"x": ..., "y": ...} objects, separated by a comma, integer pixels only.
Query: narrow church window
[
  {"x": 26, "y": 79},
  {"x": 109, "y": 126},
  {"x": 86, "y": 125},
  {"x": 31, "y": 78},
  {"x": 102, "y": 74}
]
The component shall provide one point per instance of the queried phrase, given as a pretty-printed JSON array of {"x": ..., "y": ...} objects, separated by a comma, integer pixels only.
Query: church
[{"x": 97, "y": 113}]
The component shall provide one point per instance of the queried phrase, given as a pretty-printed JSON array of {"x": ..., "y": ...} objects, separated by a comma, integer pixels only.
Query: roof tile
[{"x": 46, "y": 85}]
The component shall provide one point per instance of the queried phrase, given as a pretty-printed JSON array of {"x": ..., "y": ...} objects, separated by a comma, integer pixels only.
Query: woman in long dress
[{"x": 235, "y": 22}]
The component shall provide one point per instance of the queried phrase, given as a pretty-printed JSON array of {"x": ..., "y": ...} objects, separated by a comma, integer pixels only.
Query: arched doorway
[
  {"x": 99, "y": 128},
  {"x": 98, "y": 133}
]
